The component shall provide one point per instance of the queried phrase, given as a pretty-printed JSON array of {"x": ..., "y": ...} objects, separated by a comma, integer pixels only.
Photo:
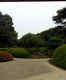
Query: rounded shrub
[
  {"x": 19, "y": 52},
  {"x": 59, "y": 56},
  {"x": 5, "y": 56}
]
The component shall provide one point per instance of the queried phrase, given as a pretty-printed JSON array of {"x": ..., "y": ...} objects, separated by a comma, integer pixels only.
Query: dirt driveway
[{"x": 29, "y": 69}]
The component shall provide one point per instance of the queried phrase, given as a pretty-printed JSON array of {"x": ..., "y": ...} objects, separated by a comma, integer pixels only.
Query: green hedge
[
  {"x": 19, "y": 52},
  {"x": 59, "y": 57}
]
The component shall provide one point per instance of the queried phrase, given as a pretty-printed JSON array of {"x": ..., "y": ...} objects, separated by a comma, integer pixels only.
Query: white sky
[{"x": 31, "y": 17}]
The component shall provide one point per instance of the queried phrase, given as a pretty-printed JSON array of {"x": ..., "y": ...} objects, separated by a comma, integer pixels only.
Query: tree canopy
[
  {"x": 30, "y": 40},
  {"x": 8, "y": 35},
  {"x": 60, "y": 18}
]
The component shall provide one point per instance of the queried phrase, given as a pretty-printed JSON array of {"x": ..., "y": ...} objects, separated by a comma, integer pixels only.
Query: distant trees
[
  {"x": 30, "y": 40},
  {"x": 54, "y": 42},
  {"x": 55, "y": 37},
  {"x": 51, "y": 38},
  {"x": 8, "y": 36}
]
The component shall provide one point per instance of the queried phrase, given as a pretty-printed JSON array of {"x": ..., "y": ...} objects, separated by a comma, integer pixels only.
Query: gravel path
[{"x": 29, "y": 69}]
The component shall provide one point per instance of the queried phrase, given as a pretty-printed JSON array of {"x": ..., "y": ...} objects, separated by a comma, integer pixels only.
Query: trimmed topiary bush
[
  {"x": 5, "y": 56},
  {"x": 19, "y": 52},
  {"x": 59, "y": 57}
]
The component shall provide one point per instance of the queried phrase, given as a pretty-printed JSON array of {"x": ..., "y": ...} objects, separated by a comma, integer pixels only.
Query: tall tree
[
  {"x": 60, "y": 19},
  {"x": 8, "y": 35}
]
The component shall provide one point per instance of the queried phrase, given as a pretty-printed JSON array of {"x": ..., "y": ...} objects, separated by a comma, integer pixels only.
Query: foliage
[
  {"x": 55, "y": 38},
  {"x": 32, "y": 50},
  {"x": 44, "y": 50},
  {"x": 5, "y": 56},
  {"x": 59, "y": 56},
  {"x": 19, "y": 52},
  {"x": 30, "y": 40},
  {"x": 50, "y": 52},
  {"x": 60, "y": 18},
  {"x": 8, "y": 35},
  {"x": 57, "y": 35},
  {"x": 54, "y": 42}
]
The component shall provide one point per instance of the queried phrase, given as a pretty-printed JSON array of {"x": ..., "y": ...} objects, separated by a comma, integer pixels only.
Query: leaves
[
  {"x": 60, "y": 17},
  {"x": 8, "y": 35}
]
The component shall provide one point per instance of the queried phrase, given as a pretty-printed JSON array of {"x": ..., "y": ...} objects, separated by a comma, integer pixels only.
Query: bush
[
  {"x": 5, "y": 56},
  {"x": 32, "y": 50},
  {"x": 19, "y": 52},
  {"x": 43, "y": 50},
  {"x": 50, "y": 52},
  {"x": 59, "y": 57}
]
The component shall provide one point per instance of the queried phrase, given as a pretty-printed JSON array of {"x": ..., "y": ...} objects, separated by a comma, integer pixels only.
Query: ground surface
[{"x": 30, "y": 69}]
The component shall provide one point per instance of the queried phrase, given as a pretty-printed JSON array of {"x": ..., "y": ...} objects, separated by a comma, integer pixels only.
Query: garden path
[{"x": 30, "y": 69}]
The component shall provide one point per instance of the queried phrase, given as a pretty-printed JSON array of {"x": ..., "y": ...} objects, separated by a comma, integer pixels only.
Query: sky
[{"x": 31, "y": 17}]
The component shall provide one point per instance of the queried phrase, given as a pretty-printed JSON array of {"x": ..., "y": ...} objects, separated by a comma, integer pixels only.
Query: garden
[{"x": 40, "y": 45}]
